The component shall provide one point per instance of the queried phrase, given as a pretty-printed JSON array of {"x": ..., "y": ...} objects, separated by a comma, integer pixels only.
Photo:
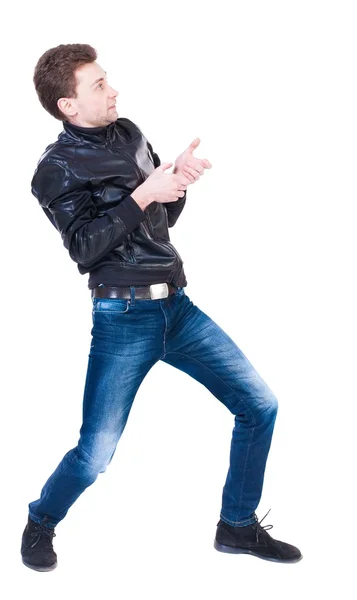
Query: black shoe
[
  {"x": 253, "y": 539},
  {"x": 36, "y": 547}
]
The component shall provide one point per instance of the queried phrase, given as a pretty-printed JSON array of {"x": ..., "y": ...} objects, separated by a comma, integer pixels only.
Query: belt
[{"x": 154, "y": 291}]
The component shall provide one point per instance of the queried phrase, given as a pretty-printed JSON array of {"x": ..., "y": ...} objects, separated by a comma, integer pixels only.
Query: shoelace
[
  {"x": 261, "y": 528},
  {"x": 40, "y": 530}
]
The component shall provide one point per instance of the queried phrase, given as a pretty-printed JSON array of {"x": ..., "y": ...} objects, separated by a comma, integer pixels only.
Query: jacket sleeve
[
  {"x": 71, "y": 209},
  {"x": 173, "y": 209}
]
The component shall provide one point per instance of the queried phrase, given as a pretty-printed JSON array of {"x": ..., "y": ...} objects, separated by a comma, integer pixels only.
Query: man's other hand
[{"x": 190, "y": 166}]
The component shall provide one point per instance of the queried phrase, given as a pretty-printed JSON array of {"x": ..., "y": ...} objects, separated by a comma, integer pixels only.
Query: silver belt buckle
[{"x": 159, "y": 290}]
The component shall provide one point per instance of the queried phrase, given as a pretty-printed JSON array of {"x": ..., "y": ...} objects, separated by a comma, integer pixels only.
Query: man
[{"x": 104, "y": 189}]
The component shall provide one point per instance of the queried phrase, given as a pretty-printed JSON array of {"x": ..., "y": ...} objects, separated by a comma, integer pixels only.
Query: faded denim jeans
[{"x": 127, "y": 339}]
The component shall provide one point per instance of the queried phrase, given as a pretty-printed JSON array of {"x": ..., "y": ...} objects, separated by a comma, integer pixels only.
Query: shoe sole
[
  {"x": 39, "y": 568},
  {"x": 235, "y": 550}
]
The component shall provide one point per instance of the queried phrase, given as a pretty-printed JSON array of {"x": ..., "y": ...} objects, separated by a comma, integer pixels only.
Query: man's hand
[
  {"x": 161, "y": 187},
  {"x": 190, "y": 166}
]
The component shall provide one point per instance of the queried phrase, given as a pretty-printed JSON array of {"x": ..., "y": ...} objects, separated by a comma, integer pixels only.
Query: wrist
[{"x": 142, "y": 199}]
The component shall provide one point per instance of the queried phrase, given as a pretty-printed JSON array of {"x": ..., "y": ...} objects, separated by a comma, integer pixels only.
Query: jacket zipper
[
  {"x": 131, "y": 250},
  {"x": 149, "y": 223}
]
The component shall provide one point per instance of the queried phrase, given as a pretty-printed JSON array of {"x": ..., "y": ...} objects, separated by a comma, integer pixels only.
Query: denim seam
[
  {"x": 165, "y": 330},
  {"x": 244, "y": 471}
]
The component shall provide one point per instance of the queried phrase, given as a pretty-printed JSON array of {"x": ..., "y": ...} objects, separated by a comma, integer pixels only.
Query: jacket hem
[{"x": 125, "y": 277}]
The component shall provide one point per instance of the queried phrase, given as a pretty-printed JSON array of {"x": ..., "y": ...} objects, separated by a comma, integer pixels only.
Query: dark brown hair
[{"x": 54, "y": 76}]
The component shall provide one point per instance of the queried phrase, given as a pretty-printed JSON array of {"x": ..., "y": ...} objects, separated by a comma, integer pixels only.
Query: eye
[{"x": 100, "y": 84}]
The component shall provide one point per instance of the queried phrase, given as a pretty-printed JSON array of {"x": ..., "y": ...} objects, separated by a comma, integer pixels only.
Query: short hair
[{"x": 54, "y": 75}]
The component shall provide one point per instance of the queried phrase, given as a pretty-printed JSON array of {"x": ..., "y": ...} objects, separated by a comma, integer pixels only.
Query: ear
[{"x": 66, "y": 107}]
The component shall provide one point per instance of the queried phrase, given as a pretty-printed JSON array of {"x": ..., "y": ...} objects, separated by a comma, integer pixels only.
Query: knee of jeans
[
  {"x": 107, "y": 463},
  {"x": 271, "y": 406},
  {"x": 96, "y": 461}
]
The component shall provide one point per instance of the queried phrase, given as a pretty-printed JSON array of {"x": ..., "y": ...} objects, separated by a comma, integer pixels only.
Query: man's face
[{"x": 92, "y": 107}]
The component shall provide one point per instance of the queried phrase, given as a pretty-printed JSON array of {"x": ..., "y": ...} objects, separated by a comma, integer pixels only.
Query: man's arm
[
  {"x": 72, "y": 211},
  {"x": 173, "y": 209}
]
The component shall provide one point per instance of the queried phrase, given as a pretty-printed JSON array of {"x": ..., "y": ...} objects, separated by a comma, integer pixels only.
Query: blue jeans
[{"x": 128, "y": 338}]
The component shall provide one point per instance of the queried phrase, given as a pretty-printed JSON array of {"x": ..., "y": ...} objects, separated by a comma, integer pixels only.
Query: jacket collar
[{"x": 90, "y": 134}]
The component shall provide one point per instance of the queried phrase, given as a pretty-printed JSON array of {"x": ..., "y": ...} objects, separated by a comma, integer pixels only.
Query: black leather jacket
[{"x": 83, "y": 182}]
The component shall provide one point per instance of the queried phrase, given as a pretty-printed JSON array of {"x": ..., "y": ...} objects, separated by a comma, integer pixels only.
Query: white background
[{"x": 268, "y": 242}]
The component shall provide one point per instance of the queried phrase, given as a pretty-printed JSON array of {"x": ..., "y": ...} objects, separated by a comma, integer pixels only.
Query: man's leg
[
  {"x": 121, "y": 354},
  {"x": 195, "y": 344}
]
